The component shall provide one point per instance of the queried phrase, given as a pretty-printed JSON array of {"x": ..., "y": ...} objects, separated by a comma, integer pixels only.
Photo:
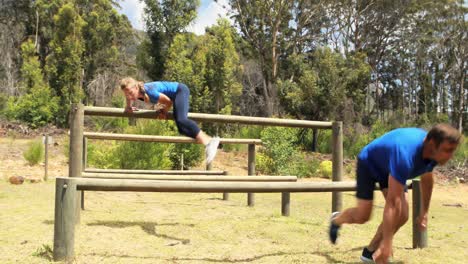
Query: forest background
[{"x": 373, "y": 64}]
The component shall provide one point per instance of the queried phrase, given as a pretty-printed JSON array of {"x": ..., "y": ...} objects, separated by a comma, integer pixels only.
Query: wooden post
[
  {"x": 132, "y": 121},
  {"x": 226, "y": 194},
  {"x": 85, "y": 165},
  {"x": 85, "y": 153},
  {"x": 182, "y": 161},
  {"x": 251, "y": 171},
  {"x": 75, "y": 166},
  {"x": 46, "y": 157},
  {"x": 419, "y": 237},
  {"x": 285, "y": 200},
  {"x": 337, "y": 174},
  {"x": 64, "y": 224},
  {"x": 209, "y": 166}
]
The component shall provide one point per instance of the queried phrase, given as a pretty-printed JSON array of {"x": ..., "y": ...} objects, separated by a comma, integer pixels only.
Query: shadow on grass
[
  {"x": 325, "y": 254},
  {"x": 148, "y": 227}
]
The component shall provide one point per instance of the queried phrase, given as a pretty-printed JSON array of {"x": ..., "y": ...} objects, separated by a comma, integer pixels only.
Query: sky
[{"x": 208, "y": 12}]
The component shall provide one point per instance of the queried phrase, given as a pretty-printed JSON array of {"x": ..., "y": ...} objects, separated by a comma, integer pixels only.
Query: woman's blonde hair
[{"x": 127, "y": 82}]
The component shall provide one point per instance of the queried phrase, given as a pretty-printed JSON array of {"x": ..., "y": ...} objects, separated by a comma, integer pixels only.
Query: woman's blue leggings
[{"x": 181, "y": 106}]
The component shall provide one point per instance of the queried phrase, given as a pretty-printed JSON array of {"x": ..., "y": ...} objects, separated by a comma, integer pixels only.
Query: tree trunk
[{"x": 462, "y": 97}]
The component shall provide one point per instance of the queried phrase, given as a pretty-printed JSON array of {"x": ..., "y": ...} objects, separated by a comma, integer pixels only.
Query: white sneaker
[{"x": 211, "y": 149}]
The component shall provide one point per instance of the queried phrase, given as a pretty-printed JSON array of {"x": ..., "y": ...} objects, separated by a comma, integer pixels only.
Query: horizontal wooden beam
[
  {"x": 190, "y": 177},
  {"x": 262, "y": 121},
  {"x": 167, "y": 172},
  {"x": 166, "y": 139},
  {"x": 122, "y": 185}
]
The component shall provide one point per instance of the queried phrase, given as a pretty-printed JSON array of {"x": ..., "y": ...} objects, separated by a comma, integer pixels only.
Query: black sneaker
[
  {"x": 366, "y": 256},
  {"x": 333, "y": 232}
]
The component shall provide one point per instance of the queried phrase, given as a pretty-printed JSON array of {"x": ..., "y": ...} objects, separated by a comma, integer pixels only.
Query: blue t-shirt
[
  {"x": 397, "y": 153},
  {"x": 153, "y": 89}
]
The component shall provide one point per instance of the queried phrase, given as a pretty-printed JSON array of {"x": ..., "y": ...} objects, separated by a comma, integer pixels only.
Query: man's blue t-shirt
[
  {"x": 153, "y": 89},
  {"x": 397, "y": 153}
]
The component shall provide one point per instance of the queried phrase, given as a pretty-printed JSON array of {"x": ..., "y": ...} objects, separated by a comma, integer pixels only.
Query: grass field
[{"x": 202, "y": 228}]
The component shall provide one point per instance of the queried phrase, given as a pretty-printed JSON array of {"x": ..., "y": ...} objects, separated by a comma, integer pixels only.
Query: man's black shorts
[{"x": 365, "y": 181}]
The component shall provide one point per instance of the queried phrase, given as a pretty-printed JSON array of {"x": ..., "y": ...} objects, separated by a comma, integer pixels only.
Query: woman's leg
[
  {"x": 189, "y": 127},
  {"x": 184, "y": 125}
]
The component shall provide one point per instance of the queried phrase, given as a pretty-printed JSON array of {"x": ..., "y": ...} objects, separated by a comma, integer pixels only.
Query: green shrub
[
  {"x": 349, "y": 170},
  {"x": 99, "y": 123},
  {"x": 354, "y": 143},
  {"x": 114, "y": 124},
  {"x": 460, "y": 157},
  {"x": 3, "y": 103},
  {"x": 39, "y": 105},
  {"x": 326, "y": 168},
  {"x": 100, "y": 154},
  {"x": 145, "y": 155},
  {"x": 378, "y": 129},
  {"x": 264, "y": 164},
  {"x": 242, "y": 132},
  {"x": 278, "y": 145},
  {"x": 193, "y": 155},
  {"x": 301, "y": 167},
  {"x": 37, "y": 108},
  {"x": 251, "y": 132},
  {"x": 324, "y": 141},
  {"x": 234, "y": 147},
  {"x": 35, "y": 152}
]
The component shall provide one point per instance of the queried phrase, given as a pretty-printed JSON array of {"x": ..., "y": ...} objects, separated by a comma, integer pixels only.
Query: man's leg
[
  {"x": 356, "y": 215},
  {"x": 362, "y": 212},
  {"x": 403, "y": 218}
]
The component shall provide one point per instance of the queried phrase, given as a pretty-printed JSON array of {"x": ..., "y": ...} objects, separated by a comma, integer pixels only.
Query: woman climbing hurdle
[{"x": 165, "y": 94}]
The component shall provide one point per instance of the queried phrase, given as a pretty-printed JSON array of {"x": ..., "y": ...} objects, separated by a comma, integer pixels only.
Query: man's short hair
[{"x": 444, "y": 132}]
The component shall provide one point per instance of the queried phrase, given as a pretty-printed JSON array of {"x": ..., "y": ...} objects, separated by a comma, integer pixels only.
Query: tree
[
  {"x": 186, "y": 63},
  {"x": 164, "y": 20},
  {"x": 15, "y": 21},
  {"x": 38, "y": 106},
  {"x": 45, "y": 10},
  {"x": 262, "y": 25},
  {"x": 64, "y": 65},
  {"x": 222, "y": 67},
  {"x": 324, "y": 84},
  {"x": 104, "y": 35}
]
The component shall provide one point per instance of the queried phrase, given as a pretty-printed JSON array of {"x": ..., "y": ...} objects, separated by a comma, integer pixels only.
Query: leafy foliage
[
  {"x": 164, "y": 20},
  {"x": 193, "y": 154},
  {"x": 38, "y": 106},
  {"x": 279, "y": 148},
  {"x": 35, "y": 152},
  {"x": 145, "y": 155},
  {"x": 326, "y": 168},
  {"x": 64, "y": 64}
]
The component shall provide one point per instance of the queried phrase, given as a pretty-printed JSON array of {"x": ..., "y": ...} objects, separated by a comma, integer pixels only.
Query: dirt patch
[{"x": 21, "y": 130}]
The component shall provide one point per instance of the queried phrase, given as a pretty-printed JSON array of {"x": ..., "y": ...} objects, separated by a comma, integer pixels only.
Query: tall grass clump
[{"x": 35, "y": 152}]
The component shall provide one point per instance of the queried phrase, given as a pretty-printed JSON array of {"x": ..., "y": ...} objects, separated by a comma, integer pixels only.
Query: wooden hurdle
[
  {"x": 157, "y": 172},
  {"x": 77, "y": 139},
  {"x": 163, "y": 177},
  {"x": 66, "y": 189},
  {"x": 170, "y": 139}
]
